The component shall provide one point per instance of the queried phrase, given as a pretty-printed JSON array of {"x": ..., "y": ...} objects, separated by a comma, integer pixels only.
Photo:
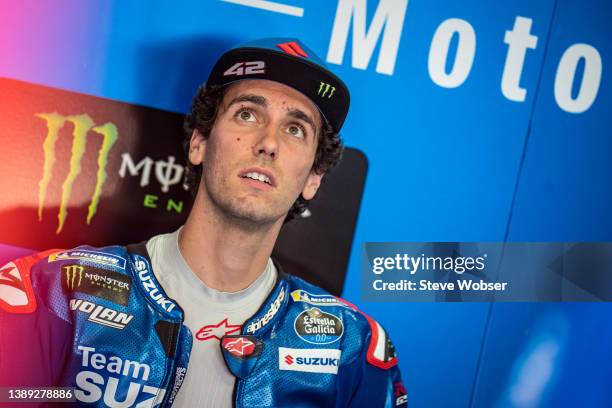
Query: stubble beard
[{"x": 242, "y": 211}]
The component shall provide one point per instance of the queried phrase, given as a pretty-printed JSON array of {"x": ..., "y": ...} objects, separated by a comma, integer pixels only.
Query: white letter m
[{"x": 389, "y": 15}]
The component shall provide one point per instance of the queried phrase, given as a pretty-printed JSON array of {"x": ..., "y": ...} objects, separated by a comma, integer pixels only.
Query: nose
[{"x": 267, "y": 143}]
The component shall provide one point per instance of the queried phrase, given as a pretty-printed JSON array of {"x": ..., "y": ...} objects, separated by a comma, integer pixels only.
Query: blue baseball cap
[{"x": 290, "y": 62}]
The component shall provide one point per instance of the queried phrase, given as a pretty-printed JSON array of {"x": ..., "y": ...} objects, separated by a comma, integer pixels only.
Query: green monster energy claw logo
[
  {"x": 82, "y": 125},
  {"x": 324, "y": 88},
  {"x": 72, "y": 272}
]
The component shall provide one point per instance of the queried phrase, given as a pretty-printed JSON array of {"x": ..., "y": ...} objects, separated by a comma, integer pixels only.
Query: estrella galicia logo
[
  {"x": 82, "y": 124},
  {"x": 318, "y": 327},
  {"x": 97, "y": 282}
]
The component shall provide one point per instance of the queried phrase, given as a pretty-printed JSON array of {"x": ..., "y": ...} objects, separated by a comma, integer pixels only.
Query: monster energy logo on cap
[
  {"x": 82, "y": 125},
  {"x": 324, "y": 88}
]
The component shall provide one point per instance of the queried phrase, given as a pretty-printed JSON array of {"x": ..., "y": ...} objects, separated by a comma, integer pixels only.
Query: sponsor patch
[
  {"x": 324, "y": 361},
  {"x": 242, "y": 346},
  {"x": 150, "y": 285},
  {"x": 399, "y": 393},
  {"x": 178, "y": 381},
  {"x": 92, "y": 256},
  {"x": 97, "y": 282},
  {"x": 318, "y": 327},
  {"x": 102, "y": 315},
  {"x": 217, "y": 331},
  {"x": 315, "y": 300},
  {"x": 115, "y": 380},
  {"x": 253, "y": 327}
]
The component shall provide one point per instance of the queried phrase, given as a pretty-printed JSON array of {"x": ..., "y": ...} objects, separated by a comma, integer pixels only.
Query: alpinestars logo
[
  {"x": 82, "y": 125},
  {"x": 258, "y": 324},
  {"x": 240, "y": 347},
  {"x": 217, "y": 331},
  {"x": 324, "y": 88}
]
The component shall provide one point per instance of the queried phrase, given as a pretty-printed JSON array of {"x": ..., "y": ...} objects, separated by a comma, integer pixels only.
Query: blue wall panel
[{"x": 444, "y": 162}]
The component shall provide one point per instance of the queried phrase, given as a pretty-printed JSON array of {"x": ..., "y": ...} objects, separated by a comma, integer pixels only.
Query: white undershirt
[{"x": 208, "y": 382}]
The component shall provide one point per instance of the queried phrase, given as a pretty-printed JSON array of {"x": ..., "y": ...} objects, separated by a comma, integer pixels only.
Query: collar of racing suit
[{"x": 254, "y": 330}]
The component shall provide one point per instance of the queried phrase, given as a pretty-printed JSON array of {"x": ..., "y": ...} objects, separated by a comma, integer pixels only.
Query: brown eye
[
  {"x": 297, "y": 131},
  {"x": 246, "y": 115}
]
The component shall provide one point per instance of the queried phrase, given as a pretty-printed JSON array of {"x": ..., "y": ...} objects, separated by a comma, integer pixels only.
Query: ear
[
  {"x": 312, "y": 185},
  {"x": 197, "y": 147}
]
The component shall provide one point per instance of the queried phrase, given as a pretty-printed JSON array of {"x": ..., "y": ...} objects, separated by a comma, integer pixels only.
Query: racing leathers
[{"x": 96, "y": 319}]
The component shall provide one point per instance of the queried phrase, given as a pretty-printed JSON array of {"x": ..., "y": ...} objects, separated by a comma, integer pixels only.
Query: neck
[{"x": 226, "y": 254}]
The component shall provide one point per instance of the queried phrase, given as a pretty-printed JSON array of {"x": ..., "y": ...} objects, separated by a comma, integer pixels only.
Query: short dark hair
[{"x": 202, "y": 116}]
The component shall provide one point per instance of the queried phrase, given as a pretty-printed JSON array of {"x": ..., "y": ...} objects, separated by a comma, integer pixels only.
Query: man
[{"x": 203, "y": 316}]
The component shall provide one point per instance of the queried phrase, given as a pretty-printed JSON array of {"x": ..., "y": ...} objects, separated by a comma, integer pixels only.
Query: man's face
[{"x": 259, "y": 155}]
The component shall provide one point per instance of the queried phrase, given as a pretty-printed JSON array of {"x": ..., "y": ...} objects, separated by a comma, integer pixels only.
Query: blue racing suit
[{"x": 97, "y": 319}]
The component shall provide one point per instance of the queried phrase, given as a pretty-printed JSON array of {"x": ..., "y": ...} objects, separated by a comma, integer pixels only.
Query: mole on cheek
[{"x": 237, "y": 139}]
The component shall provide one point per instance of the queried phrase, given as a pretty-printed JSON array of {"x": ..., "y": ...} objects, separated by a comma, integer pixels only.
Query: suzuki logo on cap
[{"x": 293, "y": 48}]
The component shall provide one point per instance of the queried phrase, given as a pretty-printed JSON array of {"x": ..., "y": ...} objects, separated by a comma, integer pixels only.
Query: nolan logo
[
  {"x": 82, "y": 125},
  {"x": 101, "y": 315},
  {"x": 324, "y": 361}
]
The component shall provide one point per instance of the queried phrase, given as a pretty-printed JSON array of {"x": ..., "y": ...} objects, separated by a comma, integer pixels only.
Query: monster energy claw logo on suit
[
  {"x": 97, "y": 282},
  {"x": 318, "y": 327}
]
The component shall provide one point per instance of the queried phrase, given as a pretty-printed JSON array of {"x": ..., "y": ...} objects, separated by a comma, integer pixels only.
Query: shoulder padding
[
  {"x": 16, "y": 292},
  {"x": 381, "y": 352}
]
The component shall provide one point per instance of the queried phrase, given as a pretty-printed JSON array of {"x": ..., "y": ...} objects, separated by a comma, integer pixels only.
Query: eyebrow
[
  {"x": 301, "y": 115},
  {"x": 256, "y": 99}
]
